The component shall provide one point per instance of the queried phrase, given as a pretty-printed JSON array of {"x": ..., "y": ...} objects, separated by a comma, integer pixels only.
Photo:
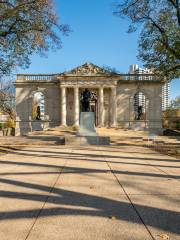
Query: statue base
[
  {"x": 87, "y": 124},
  {"x": 87, "y": 140},
  {"x": 87, "y": 134}
]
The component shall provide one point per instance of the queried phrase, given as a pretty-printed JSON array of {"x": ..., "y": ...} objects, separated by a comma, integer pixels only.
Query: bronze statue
[
  {"x": 139, "y": 112},
  {"x": 85, "y": 100},
  {"x": 38, "y": 113}
]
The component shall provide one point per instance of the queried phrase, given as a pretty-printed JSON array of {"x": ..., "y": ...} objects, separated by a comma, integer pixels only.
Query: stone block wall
[
  {"x": 125, "y": 104},
  {"x": 24, "y": 100}
]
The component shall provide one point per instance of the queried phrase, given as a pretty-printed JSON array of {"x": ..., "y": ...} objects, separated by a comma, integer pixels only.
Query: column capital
[{"x": 101, "y": 87}]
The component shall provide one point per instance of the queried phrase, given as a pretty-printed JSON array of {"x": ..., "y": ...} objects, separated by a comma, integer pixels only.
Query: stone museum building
[{"x": 44, "y": 101}]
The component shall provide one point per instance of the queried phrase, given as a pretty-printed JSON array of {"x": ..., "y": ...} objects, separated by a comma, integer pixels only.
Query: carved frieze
[
  {"x": 87, "y": 69},
  {"x": 91, "y": 83}
]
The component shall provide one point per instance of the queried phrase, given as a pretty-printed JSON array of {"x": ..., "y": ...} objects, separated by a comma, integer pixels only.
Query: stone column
[
  {"x": 76, "y": 106},
  {"x": 63, "y": 106},
  {"x": 17, "y": 129},
  {"x": 113, "y": 107},
  {"x": 101, "y": 107}
]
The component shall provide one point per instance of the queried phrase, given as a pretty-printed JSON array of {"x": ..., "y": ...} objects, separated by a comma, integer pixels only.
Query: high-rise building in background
[
  {"x": 140, "y": 98},
  {"x": 165, "y": 96},
  {"x": 135, "y": 69}
]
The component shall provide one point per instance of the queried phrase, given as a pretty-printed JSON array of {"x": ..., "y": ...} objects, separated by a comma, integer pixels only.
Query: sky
[{"x": 96, "y": 36}]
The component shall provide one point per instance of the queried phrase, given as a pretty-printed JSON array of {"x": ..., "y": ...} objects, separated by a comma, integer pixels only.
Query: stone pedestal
[
  {"x": 87, "y": 133},
  {"x": 87, "y": 124},
  {"x": 87, "y": 140},
  {"x": 37, "y": 125}
]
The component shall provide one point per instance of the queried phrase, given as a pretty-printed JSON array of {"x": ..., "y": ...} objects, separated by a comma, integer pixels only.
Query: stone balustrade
[
  {"x": 50, "y": 77},
  {"x": 137, "y": 77},
  {"x": 35, "y": 77}
]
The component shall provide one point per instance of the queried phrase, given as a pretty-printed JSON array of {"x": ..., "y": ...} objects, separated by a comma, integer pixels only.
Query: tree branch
[
  {"x": 176, "y": 67},
  {"x": 164, "y": 40},
  {"x": 175, "y": 3}
]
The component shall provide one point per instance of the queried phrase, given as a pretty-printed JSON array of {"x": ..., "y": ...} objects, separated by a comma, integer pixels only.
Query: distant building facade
[
  {"x": 165, "y": 96},
  {"x": 114, "y": 99}
]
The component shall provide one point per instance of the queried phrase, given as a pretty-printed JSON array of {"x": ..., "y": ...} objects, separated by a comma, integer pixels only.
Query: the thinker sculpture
[{"x": 85, "y": 100}]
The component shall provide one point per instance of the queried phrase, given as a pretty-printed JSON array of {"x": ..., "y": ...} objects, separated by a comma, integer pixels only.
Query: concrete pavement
[{"x": 92, "y": 193}]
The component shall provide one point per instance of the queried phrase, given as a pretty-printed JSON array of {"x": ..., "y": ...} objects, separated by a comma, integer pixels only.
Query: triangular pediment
[{"x": 88, "y": 69}]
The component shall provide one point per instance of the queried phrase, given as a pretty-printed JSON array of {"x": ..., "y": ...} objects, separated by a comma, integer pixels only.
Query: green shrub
[
  {"x": 75, "y": 128},
  {"x": 178, "y": 125},
  {"x": 10, "y": 123},
  {"x": 1, "y": 126}
]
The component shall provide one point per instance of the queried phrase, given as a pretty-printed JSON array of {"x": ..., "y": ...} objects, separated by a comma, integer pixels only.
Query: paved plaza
[{"x": 93, "y": 193}]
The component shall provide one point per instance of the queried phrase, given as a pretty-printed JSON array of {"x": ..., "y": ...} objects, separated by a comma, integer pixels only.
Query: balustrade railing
[
  {"x": 141, "y": 77},
  {"x": 35, "y": 77},
  {"x": 50, "y": 77}
]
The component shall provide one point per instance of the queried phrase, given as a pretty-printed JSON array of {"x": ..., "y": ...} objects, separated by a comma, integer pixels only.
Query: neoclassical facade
[{"x": 114, "y": 99}]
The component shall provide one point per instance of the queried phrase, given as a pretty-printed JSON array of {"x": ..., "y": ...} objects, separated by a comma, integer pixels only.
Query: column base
[
  {"x": 113, "y": 125},
  {"x": 76, "y": 125},
  {"x": 17, "y": 132}
]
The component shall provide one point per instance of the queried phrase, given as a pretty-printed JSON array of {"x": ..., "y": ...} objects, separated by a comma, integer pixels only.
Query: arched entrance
[
  {"x": 141, "y": 103},
  {"x": 89, "y": 102},
  {"x": 38, "y": 106}
]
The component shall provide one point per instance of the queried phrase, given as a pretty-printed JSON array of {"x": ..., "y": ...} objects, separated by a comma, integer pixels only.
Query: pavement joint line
[
  {"x": 99, "y": 152},
  {"x": 128, "y": 197},
  {"x": 51, "y": 190}
]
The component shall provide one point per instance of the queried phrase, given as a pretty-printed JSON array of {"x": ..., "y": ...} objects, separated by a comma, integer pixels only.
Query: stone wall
[
  {"x": 24, "y": 100},
  {"x": 125, "y": 104}
]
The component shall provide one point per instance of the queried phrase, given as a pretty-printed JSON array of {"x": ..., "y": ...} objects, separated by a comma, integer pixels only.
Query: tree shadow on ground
[
  {"x": 51, "y": 139},
  {"x": 73, "y": 203},
  {"x": 27, "y": 152},
  {"x": 5, "y": 162},
  {"x": 76, "y": 204},
  {"x": 77, "y": 170}
]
